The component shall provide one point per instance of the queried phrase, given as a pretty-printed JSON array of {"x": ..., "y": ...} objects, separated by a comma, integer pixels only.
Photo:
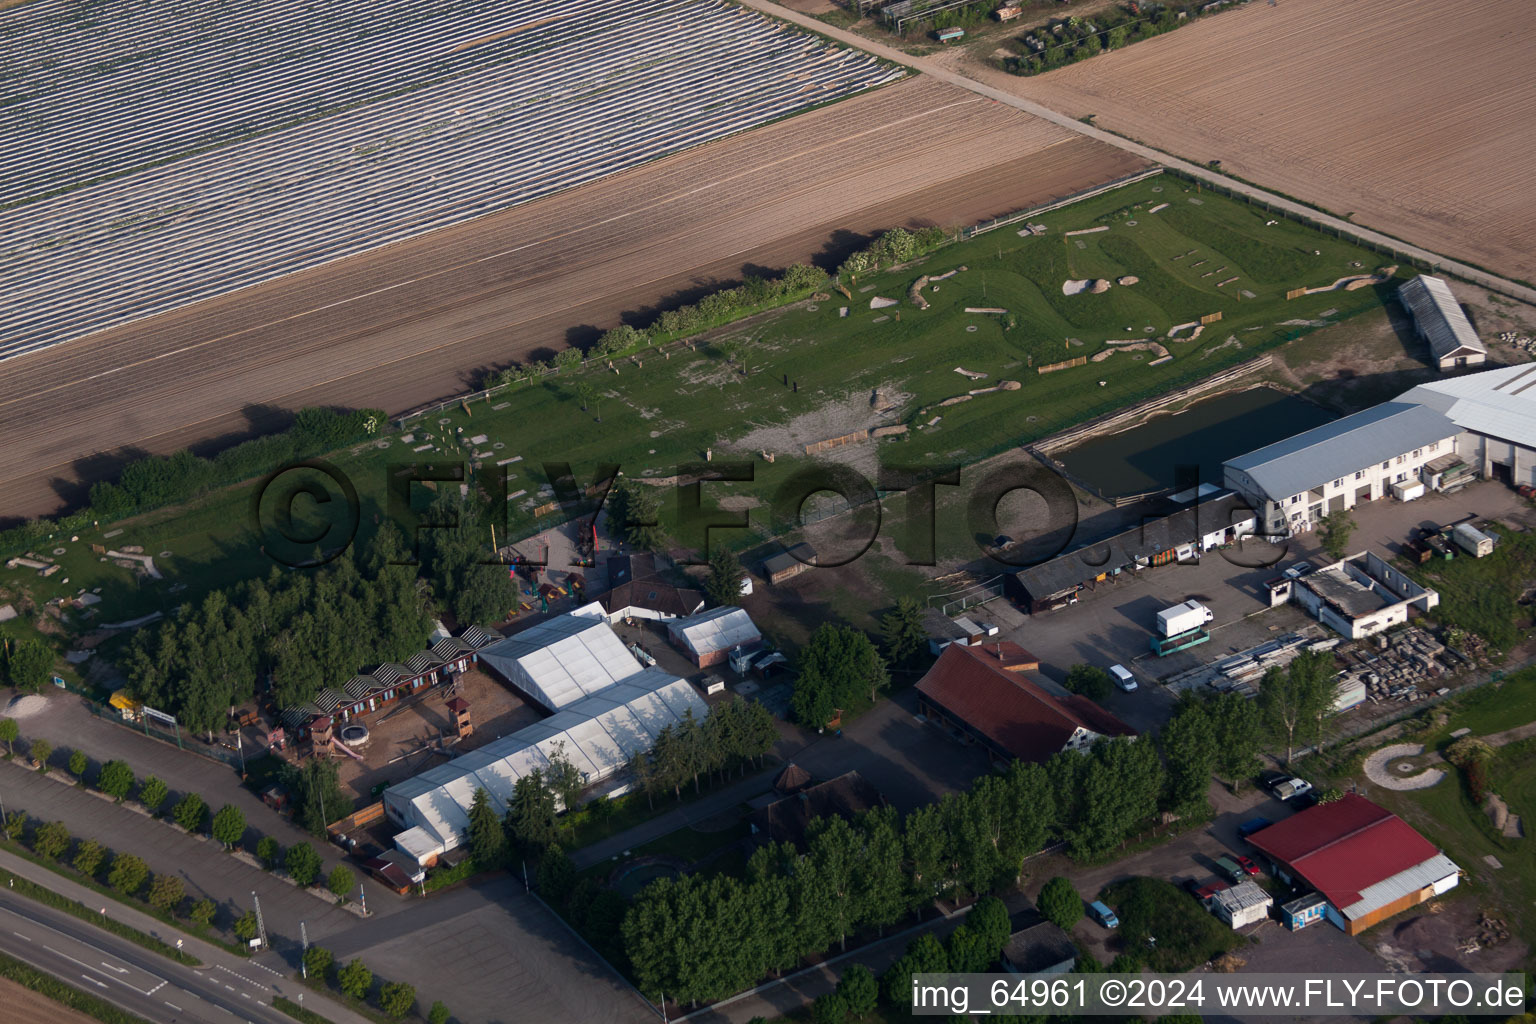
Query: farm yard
[
  {"x": 224, "y": 141},
  {"x": 419, "y": 320},
  {"x": 1405, "y": 116},
  {"x": 996, "y": 309}
]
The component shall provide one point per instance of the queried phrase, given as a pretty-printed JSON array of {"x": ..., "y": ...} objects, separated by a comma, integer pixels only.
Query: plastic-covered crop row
[{"x": 136, "y": 188}]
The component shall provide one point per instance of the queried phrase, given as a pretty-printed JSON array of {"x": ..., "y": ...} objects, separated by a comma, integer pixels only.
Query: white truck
[
  {"x": 1472, "y": 540},
  {"x": 1182, "y": 618}
]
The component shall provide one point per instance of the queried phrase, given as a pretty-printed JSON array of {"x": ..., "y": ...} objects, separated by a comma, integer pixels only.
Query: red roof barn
[
  {"x": 1366, "y": 861},
  {"x": 976, "y": 692}
]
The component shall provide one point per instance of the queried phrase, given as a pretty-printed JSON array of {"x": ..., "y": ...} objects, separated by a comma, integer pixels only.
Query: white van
[{"x": 1123, "y": 678}]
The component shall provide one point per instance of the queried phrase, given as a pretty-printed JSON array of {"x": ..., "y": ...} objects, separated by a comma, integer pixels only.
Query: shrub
[
  {"x": 829, "y": 1009},
  {"x": 189, "y": 812},
  {"x": 396, "y": 999},
  {"x": 115, "y": 780},
  {"x": 317, "y": 961},
  {"x": 245, "y": 927},
  {"x": 16, "y": 825},
  {"x": 859, "y": 990},
  {"x": 229, "y": 825},
  {"x": 1060, "y": 903},
  {"x": 51, "y": 840},
  {"x": 268, "y": 852},
  {"x": 88, "y": 857},
  {"x": 166, "y": 892},
  {"x": 355, "y": 979},
  {"x": 302, "y": 864},
  {"x": 438, "y": 1014},
  {"x": 77, "y": 763},
  {"x": 152, "y": 794},
  {"x": 340, "y": 881},
  {"x": 128, "y": 874},
  {"x": 1090, "y": 681}
]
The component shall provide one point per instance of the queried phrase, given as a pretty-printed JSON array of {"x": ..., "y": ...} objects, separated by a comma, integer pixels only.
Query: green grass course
[{"x": 659, "y": 410}]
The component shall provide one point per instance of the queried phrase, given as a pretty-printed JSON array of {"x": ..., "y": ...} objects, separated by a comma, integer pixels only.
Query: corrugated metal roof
[
  {"x": 1344, "y": 848},
  {"x": 1439, "y": 317},
  {"x": 1242, "y": 896},
  {"x": 719, "y": 629},
  {"x": 1498, "y": 403},
  {"x": 1414, "y": 879},
  {"x": 1323, "y": 454}
]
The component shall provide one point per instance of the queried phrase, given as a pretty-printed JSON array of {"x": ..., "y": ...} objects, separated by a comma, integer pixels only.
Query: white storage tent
[
  {"x": 564, "y": 659},
  {"x": 709, "y": 636},
  {"x": 599, "y": 735}
]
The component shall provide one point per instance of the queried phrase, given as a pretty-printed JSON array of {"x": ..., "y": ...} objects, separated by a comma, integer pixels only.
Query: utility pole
[{"x": 261, "y": 925}]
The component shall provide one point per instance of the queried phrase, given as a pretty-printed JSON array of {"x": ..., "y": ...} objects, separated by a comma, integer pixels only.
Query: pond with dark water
[{"x": 1208, "y": 433}]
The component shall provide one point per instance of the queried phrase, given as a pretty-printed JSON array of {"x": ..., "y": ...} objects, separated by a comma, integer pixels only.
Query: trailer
[
  {"x": 1166, "y": 645},
  {"x": 1182, "y": 618},
  {"x": 950, "y": 35},
  {"x": 1472, "y": 540}
]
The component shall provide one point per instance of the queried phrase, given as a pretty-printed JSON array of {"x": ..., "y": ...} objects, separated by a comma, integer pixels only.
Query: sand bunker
[
  {"x": 1095, "y": 287},
  {"x": 1128, "y": 279}
]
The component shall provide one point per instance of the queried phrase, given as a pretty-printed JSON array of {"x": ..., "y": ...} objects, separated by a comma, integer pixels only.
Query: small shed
[
  {"x": 1241, "y": 905},
  {"x": 709, "y": 637},
  {"x": 1038, "y": 946},
  {"x": 1304, "y": 910},
  {"x": 789, "y": 564}
]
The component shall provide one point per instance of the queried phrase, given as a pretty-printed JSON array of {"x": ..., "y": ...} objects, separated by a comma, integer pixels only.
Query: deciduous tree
[
  {"x": 51, "y": 840},
  {"x": 166, "y": 892},
  {"x": 229, "y": 826},
  {"x": 189, "y": 812},
  {"x": 340, "y": 881},
  {"x": 1060, "y": 903},
  {"x": 127, "y": 874},
  {"x": 302, "y": 863},
  {"x": 396, "y": 999},
  {"x": 1089, "y": 681},
  {"x": 152, "y": 794},
  {"x": 116, "y": 779},
  {"x": 355, "y": 979}
]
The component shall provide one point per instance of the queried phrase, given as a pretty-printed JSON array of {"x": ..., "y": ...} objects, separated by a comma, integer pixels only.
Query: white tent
[
  {"x": 719, "y": 629},
  {"x": 564, "y": 659},
  {"x": 598, "y": 734}
]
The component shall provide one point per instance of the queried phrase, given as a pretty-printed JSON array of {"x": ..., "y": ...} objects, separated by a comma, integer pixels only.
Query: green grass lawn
[
  {"x": 1482, "y": 595},
  {"x": 1446, "y": 817},
  {"x": 661, "y": 410}
]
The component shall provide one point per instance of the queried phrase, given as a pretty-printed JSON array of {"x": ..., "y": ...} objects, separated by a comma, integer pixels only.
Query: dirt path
[{"x": 419, "y": 321}]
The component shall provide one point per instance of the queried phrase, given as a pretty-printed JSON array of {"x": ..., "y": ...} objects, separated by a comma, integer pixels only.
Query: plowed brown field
[
  {"x": 1418, "y": 118},
  {"x": 417, "y": 321}
]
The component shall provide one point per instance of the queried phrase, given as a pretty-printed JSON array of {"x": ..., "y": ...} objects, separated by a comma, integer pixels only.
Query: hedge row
[
  {"x": 156, "y": 481},
  {"x": 1073, "y": 39}
]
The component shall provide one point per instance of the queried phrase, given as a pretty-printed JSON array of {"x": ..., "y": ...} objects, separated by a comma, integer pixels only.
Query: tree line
[
  {"x": 159, "y": 480},
  {"x": 722, "y": 306},
  {"x": 304, "y": 631},
  {"x": 705, "y": 937},
  {"x": 1070, "y": 40}
]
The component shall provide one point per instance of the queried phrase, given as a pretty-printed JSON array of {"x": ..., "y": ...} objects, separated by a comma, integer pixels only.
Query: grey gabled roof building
[
  {"x": 1338, "y": 449},
  {"x": 1440, "y": 321}
]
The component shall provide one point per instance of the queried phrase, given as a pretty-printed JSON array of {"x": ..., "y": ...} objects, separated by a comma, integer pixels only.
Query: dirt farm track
[
  {"x": 1418, "y": 118},
  {"x": 417, "y": 321}
]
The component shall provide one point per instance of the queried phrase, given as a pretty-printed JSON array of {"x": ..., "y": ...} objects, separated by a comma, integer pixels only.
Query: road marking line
[
  {"x": 245, "y": 995},
  {"x": 20, "y": 936},
  {"x": 173, "y": 1006},
  {"x": 119, "y": 970},
  {"x": 230, "y": 987},
  {"x": 157, "y": 988},
  {"x": 93, "y": 981}
]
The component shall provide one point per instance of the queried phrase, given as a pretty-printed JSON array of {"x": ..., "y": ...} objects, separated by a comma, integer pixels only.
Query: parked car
[
  {"x": 1247, "y": 864},
  {"x": 1251, "y": 826},
  {"x": 1102, "y": 914},
  {"x": 1291, "y": 787},
  {"x": 1203, "y": 891},
  {"x": 1230, "y": 869},
  {"x": 1301, "y": 801},
  {"x": 1123, "y": 678}
]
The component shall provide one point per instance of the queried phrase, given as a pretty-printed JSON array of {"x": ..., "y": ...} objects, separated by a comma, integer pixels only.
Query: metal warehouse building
[
  {"x": 1495, "y": 414},
  {"x": 1365, "y": 861},
  {"x": 1440, "y": 323},
  {"x": 1295, "y": 482}
]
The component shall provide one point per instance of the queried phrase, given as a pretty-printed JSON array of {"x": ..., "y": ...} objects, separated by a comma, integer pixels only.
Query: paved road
[
  {"x": 225, "y": 988},
  {"x": 203, "y": 868},
  {"x": 1462, "y": 270}
]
